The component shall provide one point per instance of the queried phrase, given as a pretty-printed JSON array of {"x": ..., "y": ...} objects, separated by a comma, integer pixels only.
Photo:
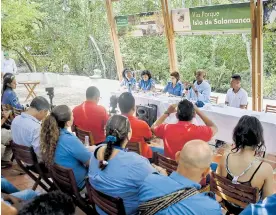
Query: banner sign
[
  {"x": 228, "y": 17},
  {"x": 143, "y": 24}
]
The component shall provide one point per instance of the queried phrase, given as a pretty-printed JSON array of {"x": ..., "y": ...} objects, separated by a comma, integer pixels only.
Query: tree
[{"x": 48, "y": 34}]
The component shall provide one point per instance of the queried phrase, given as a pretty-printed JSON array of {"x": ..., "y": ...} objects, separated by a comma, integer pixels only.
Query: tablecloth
[{"x": 226, "y": 118}]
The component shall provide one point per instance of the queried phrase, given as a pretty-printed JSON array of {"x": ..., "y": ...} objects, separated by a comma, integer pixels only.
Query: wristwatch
[{"x": 166, "y": 112}]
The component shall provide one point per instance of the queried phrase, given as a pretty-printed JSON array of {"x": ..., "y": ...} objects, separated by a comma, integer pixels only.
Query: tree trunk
[
  {"x": 248, "y": 49},
  {"x": 214, "y": 47},
  {"x": 183, "y": 4},
  {"x": 25, "y": 60},
  {"x": 99, "y": 53},
  {"x": 35, "y": 63}
]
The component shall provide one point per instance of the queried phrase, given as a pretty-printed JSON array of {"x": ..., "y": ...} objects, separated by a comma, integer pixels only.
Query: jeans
[
  {"x": 8, "y": 188},
  {"x": 25, "y": 194}
]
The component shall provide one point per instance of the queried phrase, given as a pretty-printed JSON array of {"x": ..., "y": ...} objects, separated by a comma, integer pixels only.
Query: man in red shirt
[
  {"x": 140, "y": 129},
  {"x": 90, "y": 116},
  {"x": 176, "y": 135}
]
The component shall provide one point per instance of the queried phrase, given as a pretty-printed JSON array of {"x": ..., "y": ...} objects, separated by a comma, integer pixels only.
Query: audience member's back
[
  {"x": 26, "y": 127},
  {"x": 53, "y": 203},
  {"x": 116, "y": 172},
  {"x": 140, "y": 129},
  {"x": 60, "y": 146},
  {"x": 90, "y": 116},
  {"x": 242, "y": 166},
  {"x": 176, "y": 135},
  {"x": 193, "y": 164}
]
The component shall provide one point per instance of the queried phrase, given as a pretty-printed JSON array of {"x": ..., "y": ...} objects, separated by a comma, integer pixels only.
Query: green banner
[
  {"x": 229, "y": 17},
  {"x": 121, "y": 21}
]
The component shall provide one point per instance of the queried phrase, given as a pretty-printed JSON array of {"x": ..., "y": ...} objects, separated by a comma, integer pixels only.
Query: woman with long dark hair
[
  {"x": 242, "y": 166},
  {"x": 9, "y": 96},
  {"x": 60, "y": 146},
  {"x": 116, "y": 172}
]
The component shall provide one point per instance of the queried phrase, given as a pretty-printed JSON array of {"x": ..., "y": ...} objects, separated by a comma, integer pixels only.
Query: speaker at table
[{"x": 147, "y": 113}]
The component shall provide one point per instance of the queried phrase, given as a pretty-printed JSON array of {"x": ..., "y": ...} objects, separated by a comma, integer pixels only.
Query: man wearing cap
[{"x": 9, "y": 65}]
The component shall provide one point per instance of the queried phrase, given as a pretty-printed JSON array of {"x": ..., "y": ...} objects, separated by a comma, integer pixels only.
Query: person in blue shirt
[
  {"x": 200, "y": 90},
  {"x": 60, "y": 146},
  {"x": 129, "y": 81},
  {"x": 174, "y": 87},
  {"x": 9, "y": 96},
  {"x": 193, "y": 164},
  {"x": 147, "y": 83},
  {"x": 116, "y": 172},
  {"x": 267, "y": 207},
  {"x": 26, "y": 127}
]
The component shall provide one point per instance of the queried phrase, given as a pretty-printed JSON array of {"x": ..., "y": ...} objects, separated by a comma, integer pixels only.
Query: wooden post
[
  {"x": 114, "y": 38},
  {"x": 259, "y": 17},
  {"x": 169, "y": 35},
  {"x": 254, "y": 57}
]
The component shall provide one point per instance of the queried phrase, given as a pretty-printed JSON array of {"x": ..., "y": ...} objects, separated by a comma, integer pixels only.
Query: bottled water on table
[{"x": 86, "y": 141}]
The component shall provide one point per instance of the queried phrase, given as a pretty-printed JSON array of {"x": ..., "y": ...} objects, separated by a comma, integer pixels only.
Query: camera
[
  {"x": 113, "y": 105},
  {"x": 50, "y": 93}
]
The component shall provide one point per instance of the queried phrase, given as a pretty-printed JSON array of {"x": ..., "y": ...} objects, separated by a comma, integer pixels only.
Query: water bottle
[{"x": 86, "y": 141}]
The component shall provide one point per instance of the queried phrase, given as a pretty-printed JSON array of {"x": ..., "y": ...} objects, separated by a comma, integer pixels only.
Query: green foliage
[{"x": 48, "y": 34}]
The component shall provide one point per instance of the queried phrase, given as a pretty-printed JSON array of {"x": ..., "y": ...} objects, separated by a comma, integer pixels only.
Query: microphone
[
  {"x": 189, "y": 87},
  {"x": 129, "y": 86}
]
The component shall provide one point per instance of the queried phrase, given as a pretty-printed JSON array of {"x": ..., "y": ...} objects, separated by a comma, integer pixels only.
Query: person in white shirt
[
  {"x": 236, "y": 95},
  {"x": 9, "y": 65}
]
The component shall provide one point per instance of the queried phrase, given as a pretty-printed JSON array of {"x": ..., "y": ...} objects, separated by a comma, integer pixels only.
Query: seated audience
[
  {"x": 193, "y": 164},
  {"x": 26, "y": 127},
  {"x": 7, "y": 188},
  {"x": 242, "y": 166},
  {"x": 174, "y": 87},
  {"x": 147, "y": 83},
  {"x": 267, "y": 207},
  {"x": 200, "y": 90},
  {"x": 9, "y": 96},
  {"x": 5, "y": 140},
  {"x": 140, "y": 129},
  {"x": 129, "y": 81},
  {"x": 175, "y": 136},
  {"x": 236, "y": 96},
  {"x": 62, "y": 147},
  {"x": 116, "y": 172},
  {"x": 55, "y": 202},
  {"x": 90, "y": 116}
]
